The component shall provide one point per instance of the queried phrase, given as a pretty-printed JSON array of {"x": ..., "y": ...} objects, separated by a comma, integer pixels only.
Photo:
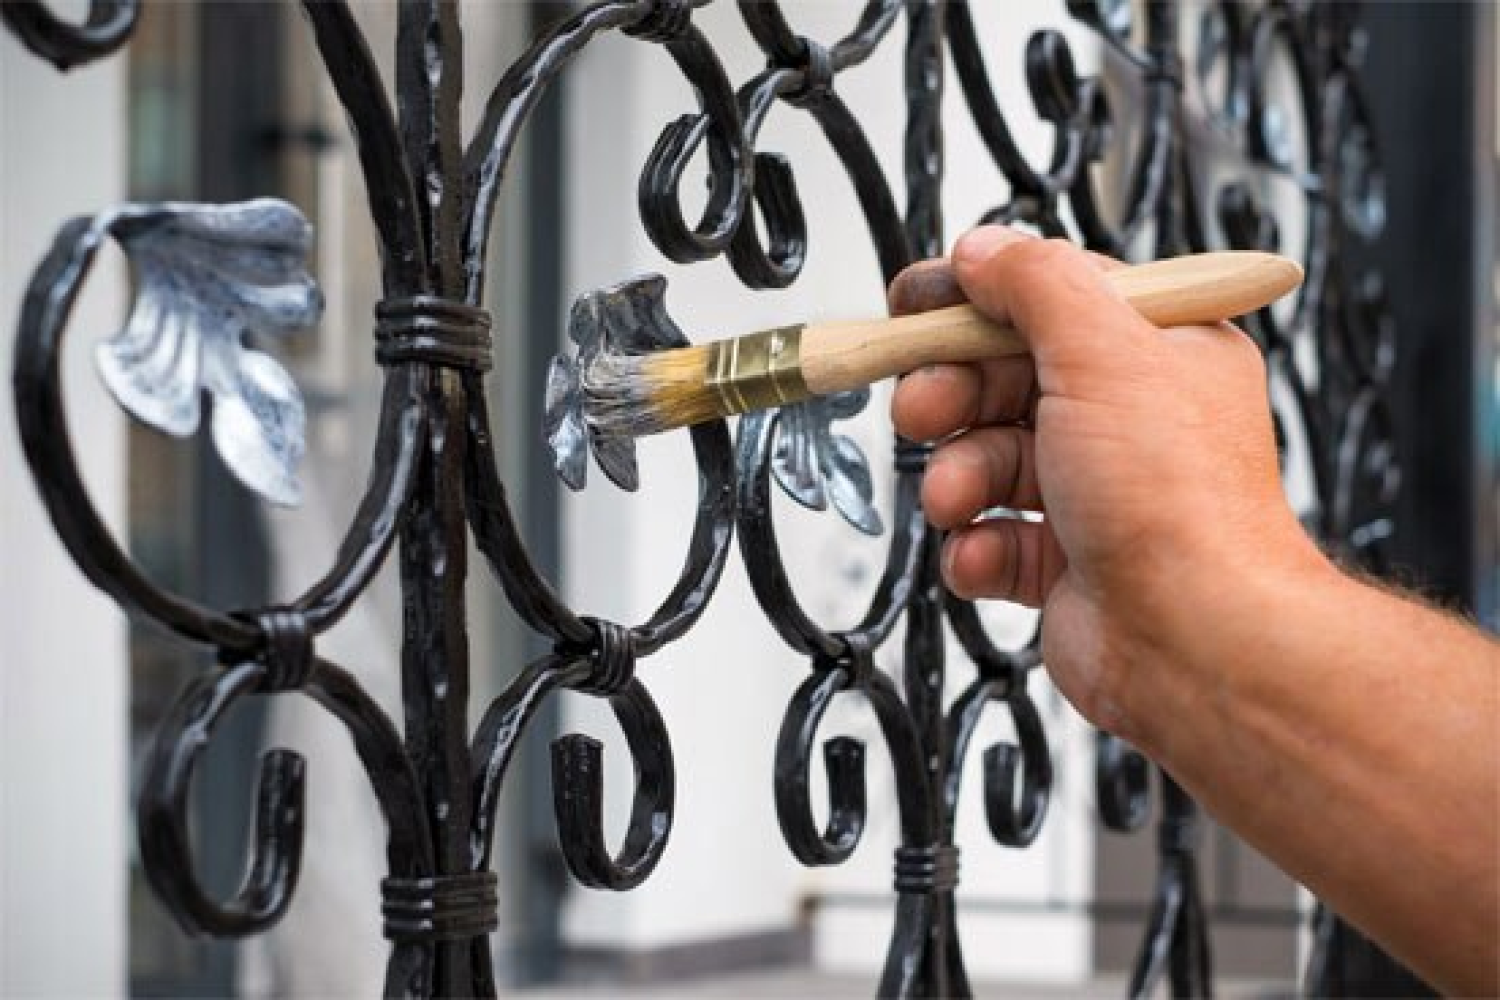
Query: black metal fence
[{"x": 1215, "y": 159}]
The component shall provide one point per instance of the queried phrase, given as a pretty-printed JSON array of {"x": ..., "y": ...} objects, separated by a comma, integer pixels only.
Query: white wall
[
  {"x": 63, "y": 679},
  {"x": 723, "y": 688}
]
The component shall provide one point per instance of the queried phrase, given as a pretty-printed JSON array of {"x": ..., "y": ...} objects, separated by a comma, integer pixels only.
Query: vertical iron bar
[
  {"x": 434, "y": 541},
  {"x": 429, "y": 82},
  {"x": 434, "y": 659},
  {"x": 1171, "y": 236},
  {"x": 924, "y": 126},
  {"x": 942, "y": 971}
]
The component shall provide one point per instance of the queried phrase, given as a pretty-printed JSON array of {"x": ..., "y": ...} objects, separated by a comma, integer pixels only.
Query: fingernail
[
  {"x": 980, "y": 243},
  {"x": 932, "y": 285}
]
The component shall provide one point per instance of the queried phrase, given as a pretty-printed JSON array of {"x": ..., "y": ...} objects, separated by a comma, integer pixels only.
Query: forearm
[{"x": 1345, "y": 731}]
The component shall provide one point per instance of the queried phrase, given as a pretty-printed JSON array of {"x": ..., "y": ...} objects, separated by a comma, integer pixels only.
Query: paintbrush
[{"x": 630, "y": 395}]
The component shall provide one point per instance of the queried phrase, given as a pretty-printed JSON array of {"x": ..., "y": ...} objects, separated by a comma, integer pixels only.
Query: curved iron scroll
[{"x": 1233, "y": 179}]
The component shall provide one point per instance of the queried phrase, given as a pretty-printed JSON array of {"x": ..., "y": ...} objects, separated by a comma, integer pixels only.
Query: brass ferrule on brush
[{"x": 758, "y": 371}]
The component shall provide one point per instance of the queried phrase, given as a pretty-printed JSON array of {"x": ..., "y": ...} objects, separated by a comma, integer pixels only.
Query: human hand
[{"x": 1150, "y": 453}]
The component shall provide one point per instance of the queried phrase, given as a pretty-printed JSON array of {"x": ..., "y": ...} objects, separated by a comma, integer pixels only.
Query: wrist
[{"x": 1211, "y": 627}]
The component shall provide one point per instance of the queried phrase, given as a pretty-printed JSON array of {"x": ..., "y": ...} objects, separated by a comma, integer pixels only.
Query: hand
[
  {"x": 1150, "y": 453},
  {"x": 1325, "y": 721}
]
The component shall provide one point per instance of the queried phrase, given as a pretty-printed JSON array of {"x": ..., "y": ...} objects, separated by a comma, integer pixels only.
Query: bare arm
[{"x": 1349, "y": 734}]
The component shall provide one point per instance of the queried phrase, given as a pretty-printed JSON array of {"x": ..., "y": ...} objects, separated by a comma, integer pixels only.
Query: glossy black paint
[{"x": 434, "y": 478}]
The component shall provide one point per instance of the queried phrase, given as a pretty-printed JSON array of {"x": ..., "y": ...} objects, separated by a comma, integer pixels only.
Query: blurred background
[{"x": 226, "y": 100}]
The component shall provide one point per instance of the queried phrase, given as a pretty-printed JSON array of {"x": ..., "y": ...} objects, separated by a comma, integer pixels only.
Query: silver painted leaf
[
  {"x": 794, "y": 459},
  {"x": 616, "y": 458},
  {"x": 813, "y": 465},
  {"x": 208, "y": 276},
  {"x": 563, "y": 425},
  {"x": 843, "y": 405},
  {"x": 152, "y": 365},
  {"x": 585, "y": 328},
  {"x": 628, "y": 318},
  {"x": 258, "y": 423},
  {"x": 633, "y": 316},
  {"x": 850, "y": 484}
]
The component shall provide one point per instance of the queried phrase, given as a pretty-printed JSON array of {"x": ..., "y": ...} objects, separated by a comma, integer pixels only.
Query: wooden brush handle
[{"x": 1204, "y": 288}]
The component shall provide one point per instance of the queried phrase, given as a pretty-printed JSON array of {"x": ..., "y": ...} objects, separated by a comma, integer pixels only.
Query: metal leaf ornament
[
  {"x": 206, "y": 276},
  {"x": 812, "y": 464},
  {"x": 628, "y": 318}
]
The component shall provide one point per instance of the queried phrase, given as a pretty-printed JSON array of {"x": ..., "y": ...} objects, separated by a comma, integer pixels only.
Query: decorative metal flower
[
  {"x": 207, "y": 275},
  {"x": 811, "y": 463},
  {"x": 628, "y": 318}
]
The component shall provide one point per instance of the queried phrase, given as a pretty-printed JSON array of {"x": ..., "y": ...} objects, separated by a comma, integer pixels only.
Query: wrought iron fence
[{"x": 1211, "y": 143}]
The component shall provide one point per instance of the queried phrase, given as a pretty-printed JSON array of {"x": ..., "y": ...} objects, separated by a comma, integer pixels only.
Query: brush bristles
[{"x": 632, "y": 395}]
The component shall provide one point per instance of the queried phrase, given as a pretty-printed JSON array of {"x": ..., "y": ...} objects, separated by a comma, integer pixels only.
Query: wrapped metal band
[
  {"x": 433, "y": 330},
  {"x": 759, "y": 371},
  {"x": 453, "y": 908}
]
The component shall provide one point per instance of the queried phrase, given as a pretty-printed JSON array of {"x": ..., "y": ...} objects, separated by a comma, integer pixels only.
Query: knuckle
[
  {"x": 1039, "y": 257},
  {"x": 1040, "y": 272}
]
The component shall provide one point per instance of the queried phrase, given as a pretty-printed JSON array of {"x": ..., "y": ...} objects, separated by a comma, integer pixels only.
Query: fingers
[
  {"x": 987, "y": 467},
  {"x": 934, "y": 402},
  {"x": 1004, "y": 558},
  {"x": 932, "y": 284},
  {"x": 1054, "y": 294},
  {"x": 942, "y": 399},
  {"x": 927, "y": 284}
]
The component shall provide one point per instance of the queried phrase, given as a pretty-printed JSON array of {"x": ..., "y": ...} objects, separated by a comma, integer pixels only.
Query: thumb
[{"x": 1057, "y": 298}]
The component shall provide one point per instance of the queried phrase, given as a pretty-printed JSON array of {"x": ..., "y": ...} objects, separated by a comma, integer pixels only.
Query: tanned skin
[{"x": 1348, "y": 733}]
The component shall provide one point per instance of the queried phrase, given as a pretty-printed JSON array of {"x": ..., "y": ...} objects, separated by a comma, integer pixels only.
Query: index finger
[
  {"x": 1054, "y": 295},
  {"x": 941, "y": 400}
]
